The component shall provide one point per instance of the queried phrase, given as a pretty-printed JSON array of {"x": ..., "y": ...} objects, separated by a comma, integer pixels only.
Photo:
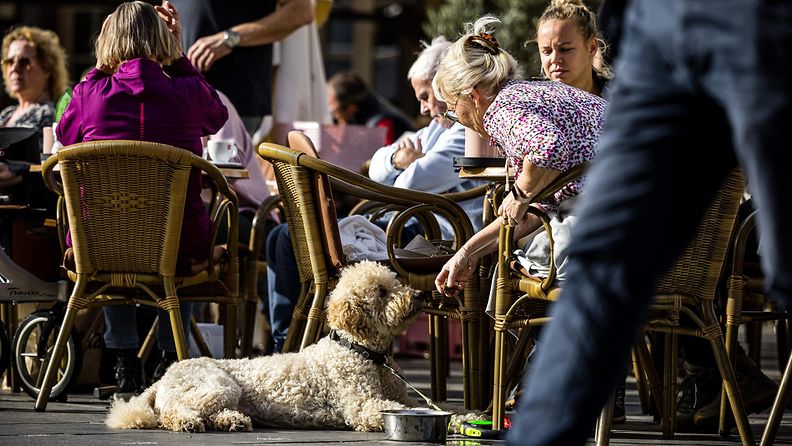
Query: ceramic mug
[{"x": 221, "y": 151}]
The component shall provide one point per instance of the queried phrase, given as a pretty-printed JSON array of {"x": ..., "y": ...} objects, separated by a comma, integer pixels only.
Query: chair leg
[
  {"x": 732, "y": 390},
  {"x": 640, "y": 382},
  {"x": 603, "y": 426},
  {"x": 470, "y": 354},
  {"x": 777, "y": 411},
  {"x": 298, "y": 322},
  {"x": 148, "y": 342},
  {"x": 438, "y": 352},
  {"x": 499, "y": 380},
  {"x": 653, "y": 381},
  {"x": 199, "y": 339},
  {"x": 734, "y": 303},
  {"x": 76, "y": 303},
  {"x": 230, "y": 331},
  {"x": 171, "y": 305},
  {"x": 668, "y": 421},
  {"x": 314, "y": 316},
  {"x": 251, "y": 298}
]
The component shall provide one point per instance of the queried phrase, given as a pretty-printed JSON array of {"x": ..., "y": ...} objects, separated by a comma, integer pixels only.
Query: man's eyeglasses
[
  {"x": 450, "y": 115},
  {"x": 24, "y": 62}
]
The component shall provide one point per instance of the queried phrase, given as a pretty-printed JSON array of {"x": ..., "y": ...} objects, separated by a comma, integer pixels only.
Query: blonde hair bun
[{"x": 560, "y": 3}]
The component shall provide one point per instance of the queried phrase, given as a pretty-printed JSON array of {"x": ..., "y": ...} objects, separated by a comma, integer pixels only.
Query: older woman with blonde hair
[
  {"x": 34, "y": 73},
  {"x": 543, "y": 128},
  {"x": 144, "y": 88}
]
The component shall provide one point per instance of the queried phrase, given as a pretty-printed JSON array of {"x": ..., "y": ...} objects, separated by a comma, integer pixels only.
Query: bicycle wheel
[
  {"x": 5, "y": 349},
  {"x": 29, "y": 363}
]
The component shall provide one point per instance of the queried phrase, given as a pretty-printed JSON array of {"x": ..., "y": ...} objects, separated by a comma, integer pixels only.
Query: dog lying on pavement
[{"x": 338, "y": 383}]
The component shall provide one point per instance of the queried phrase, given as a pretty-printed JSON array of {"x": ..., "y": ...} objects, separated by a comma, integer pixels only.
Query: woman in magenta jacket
[{"x": 144, "y": 88}]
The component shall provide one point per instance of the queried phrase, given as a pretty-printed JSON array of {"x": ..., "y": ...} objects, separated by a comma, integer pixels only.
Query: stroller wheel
[{"x": 30, "y": 362}]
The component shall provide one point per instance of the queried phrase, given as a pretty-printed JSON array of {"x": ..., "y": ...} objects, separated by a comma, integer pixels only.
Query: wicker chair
[
  {"x": 304, "y": 182},
  {"x": 746, "y": 289},
  {"x": 125, "y": 202},
  {"x": 521, "y": 302},
  {"x": 689, "y": 287}
]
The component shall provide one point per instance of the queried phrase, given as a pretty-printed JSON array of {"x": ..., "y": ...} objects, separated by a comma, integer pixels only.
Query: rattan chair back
[
  {"x": 697, "y": 271},
  {"x": 125, "y": 204},
  {"x": 690, "y": 288},
  {"x": 299, "y": 176},
  {"x": 121, "y": 193}
]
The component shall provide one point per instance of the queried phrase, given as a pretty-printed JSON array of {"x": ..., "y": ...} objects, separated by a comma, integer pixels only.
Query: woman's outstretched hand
[{"x": 455, "y": 273}]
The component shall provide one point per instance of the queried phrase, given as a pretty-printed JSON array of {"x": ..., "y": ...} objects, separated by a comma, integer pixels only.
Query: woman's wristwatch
[
  {"x": 231, "y": 38},
  {"x": 518, "y": 193}
]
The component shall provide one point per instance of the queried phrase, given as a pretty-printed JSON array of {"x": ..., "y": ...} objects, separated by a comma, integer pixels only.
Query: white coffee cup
[
  {"x": 221, "y": 151},
  {"x": 48, "y": 140}
]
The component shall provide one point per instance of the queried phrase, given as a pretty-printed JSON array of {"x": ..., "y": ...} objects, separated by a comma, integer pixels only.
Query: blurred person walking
[{"x": 701, "y": 86}]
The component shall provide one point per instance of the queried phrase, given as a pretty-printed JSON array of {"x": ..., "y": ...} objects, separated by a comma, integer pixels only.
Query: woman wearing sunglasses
[
  {"x": 34, "y": 73},
  {"x": 543, "y": 127}
]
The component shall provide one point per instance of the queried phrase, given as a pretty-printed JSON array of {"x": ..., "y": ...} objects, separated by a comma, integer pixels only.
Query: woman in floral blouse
[{"x": 543, "y": 128}]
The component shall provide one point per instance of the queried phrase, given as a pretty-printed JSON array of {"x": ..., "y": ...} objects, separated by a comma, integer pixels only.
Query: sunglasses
[
  {"x": 23, "y": 62},
  {"x": 450, "y": 115}
]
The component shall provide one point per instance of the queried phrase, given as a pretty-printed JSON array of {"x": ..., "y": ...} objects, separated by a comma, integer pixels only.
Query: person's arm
[
  {"x": 532, "y": 179},
  {"x": 289, "y": 15},
  {"x": 181, "y": 67},
  {"x": 384, "y": 168},
  {"x": 434, "y": 172},
  {"x": 216, "y": 114},
  {"x": 462, "y": 266},
  {"x": 69, "y": 128}
]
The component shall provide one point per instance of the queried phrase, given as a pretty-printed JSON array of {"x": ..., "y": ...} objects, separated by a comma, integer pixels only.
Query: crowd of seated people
[
  {"x": 543, "y": 128},
  {"x": 421, "y": 162}
]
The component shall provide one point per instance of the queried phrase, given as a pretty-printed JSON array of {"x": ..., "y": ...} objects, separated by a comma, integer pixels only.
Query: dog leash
[
  {"x": 457, "y": 426},
  {"x": 426, "y": 398}
]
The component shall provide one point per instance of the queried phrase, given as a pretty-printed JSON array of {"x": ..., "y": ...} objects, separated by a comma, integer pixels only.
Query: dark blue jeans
[
  {"x": 121, "y": 329},
  {"x": 697, "y": 82},
  {"x": 283, "y": 283}
]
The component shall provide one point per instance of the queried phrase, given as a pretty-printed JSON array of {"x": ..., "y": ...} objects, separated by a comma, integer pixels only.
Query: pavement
[{"x": 80, "y": 422}]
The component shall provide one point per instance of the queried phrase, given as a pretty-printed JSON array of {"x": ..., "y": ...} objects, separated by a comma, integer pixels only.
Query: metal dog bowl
[{"x": 424, "y": 425}]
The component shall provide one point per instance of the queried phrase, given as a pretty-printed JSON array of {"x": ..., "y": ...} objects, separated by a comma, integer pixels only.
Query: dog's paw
[
  {"x": 231, "y": 421},
  {"x": 455, "y": 426},
  {"x": 191, "y": 426}
]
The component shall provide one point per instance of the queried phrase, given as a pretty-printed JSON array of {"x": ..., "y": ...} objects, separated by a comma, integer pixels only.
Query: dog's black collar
[{"x": 375, "y": 357}]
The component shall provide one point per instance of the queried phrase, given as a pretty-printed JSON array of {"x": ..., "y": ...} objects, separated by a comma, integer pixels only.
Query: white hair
[{"x": 425, "y": 66}]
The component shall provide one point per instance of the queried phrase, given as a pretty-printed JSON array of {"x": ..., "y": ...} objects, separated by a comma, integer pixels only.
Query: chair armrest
[
  {"x": 258, "y": 231},
  {"x": 562, "y": 180},
  {"x": 48, "y": 173}
]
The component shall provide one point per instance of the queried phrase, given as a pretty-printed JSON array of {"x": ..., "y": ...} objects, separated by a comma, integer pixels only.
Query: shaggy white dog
[{"x": 326, "y": 385}]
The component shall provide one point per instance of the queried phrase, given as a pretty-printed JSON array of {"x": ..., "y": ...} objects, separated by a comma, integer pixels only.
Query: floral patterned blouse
[
  {"x": 38, "y": 116},
  {"x": 550, "y": 124}
]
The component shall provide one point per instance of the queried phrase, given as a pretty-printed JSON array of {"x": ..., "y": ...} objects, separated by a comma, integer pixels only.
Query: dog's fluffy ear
[{"x": 347, "y": 315}]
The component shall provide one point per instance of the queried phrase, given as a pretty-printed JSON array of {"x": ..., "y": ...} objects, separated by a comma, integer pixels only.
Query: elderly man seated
[{"x": 421, "y": 162}]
